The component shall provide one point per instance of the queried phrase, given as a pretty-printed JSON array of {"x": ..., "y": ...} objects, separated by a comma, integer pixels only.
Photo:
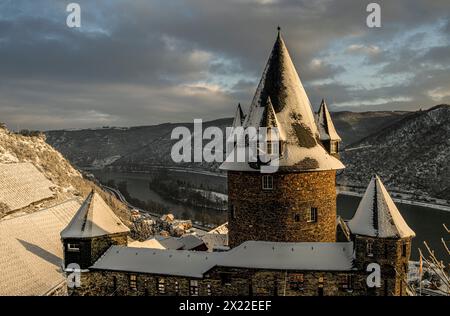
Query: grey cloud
[{"x": 133, "y": 61}]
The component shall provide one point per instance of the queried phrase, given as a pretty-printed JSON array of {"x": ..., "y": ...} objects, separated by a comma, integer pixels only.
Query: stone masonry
[{"x": 281, "y": 214}]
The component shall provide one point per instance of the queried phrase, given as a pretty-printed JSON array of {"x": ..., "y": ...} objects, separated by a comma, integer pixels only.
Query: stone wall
[
  {"x": 222, "y": 281},
  {"x": 100, "y": 244},
  {"x": 393, "y": 262},
  {"x": 90, "y": 249},
  {"x": 281, "y": 214}
]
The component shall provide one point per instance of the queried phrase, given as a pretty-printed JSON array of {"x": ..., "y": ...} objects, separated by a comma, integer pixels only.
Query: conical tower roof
[
  {"x": 377, "y": 215},
  {"x": 281, "y": 84},
  {"x": 93, "y": 219},
  {"x": 325, "y": 124}
]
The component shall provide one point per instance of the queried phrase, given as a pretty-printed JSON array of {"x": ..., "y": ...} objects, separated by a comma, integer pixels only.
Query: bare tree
[{"x": 438, "y": 267}]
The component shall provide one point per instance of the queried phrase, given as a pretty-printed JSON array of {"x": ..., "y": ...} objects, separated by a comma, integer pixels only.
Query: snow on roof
[
  {"x": 31, "y": 252},
  {"x": 94, "y": 218},
  {"x": 281, "y": 84},
  {"x": 222, "y": 229},
  {"x": 186, "y": 242},
  {"x": 238, "y": 117},
  {"x": 325, "y": 124},
  {"x": 215, "y": 240},
  {"x": 251, "y": 254},
  {"x": 377, "y": 215},
  {"x": 21, "y": 184}
]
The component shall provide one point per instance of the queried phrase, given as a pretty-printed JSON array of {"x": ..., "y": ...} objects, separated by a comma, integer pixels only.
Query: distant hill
[
  {"x": 411, "y": 154},
  {"x": 137, "y": 148},
  {"x": 354, "y": 126},
  {"x": 409, "y": 150}
]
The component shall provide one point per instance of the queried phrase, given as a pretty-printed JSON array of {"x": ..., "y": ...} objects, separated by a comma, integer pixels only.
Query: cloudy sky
[{"x": 143, "y": 62}]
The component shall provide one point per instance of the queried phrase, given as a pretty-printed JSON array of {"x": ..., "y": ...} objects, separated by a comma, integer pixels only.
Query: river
[{"x": 426, "y": 222}]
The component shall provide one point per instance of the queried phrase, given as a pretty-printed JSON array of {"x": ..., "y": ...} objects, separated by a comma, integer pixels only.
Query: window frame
[
  {"x": 313, "y": 215},
  {"x": 133, "y": 282},
  {"x": 161, "y": 286},
  {"x": 73, "y": 247},
  {"x": 369, "y": 248},
  {"x": 334, "y": 147},
  {"x": 297, "y": 281},
  {"x": 193, "y": 288},
  {"x": 265, "y": 184},
  {"x": 404, "y": 249}
]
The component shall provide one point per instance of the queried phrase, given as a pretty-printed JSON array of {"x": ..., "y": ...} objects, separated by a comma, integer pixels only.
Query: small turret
[
  {"x": 92, "y": 230},
  {"x": 328, "y": 135},
  {"x": 382, "y": 236}
]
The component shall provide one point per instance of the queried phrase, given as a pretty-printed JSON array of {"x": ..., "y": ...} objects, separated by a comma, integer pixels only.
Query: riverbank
[{"x": 399, "y": 200}]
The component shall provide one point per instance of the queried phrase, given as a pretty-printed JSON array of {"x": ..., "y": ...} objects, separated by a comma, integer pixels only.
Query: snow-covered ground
[{"x": 403, "y": 200}]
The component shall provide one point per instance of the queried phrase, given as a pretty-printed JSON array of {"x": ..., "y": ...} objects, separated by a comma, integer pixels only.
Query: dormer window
[
  {"x": 269, "y": 148},
  {"x": 334, "y": 147}
]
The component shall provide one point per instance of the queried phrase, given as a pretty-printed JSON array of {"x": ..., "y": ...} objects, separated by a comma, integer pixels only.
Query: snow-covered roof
[
  {"x": 280, "y": 86},
  {"x": 325, "y": 124},
  {"x": 377, "y": 215},
  {"x": 22, "y": 184},
  {"x": 94, "y": 218},
  {"x": 186, "y": 242},
  {"x": 251, "y": 254},
  {"x": 31, "y": 252},
  {"x": 222, "y": 229}
]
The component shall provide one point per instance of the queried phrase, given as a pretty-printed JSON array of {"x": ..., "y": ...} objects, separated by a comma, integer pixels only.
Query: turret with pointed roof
[
  {"x": 381, "y": 236},
  {"x": 281, "y": 84},
  {"x": 92, "y": 230},
  {"x": 327, "y": 132},
  {"x": 378, "y": 216},
  {"x": 298, "y": 202}
]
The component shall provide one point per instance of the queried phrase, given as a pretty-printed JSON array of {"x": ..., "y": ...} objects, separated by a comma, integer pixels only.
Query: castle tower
[
  {"x": 92, "y": 230},
  {"x": 382, "y": 236},
  {"x": 298, "y": 202},
  {"x": 328, "y": 135}
]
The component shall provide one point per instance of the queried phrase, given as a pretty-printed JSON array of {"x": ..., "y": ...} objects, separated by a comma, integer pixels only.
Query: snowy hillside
[
  {"x": 137, "y": 148},
  {"x": 36, "y": 176},
  {"x": 410, "y": 155}
]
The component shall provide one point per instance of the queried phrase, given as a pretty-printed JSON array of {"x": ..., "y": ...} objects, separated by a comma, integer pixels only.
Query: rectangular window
[
  {"x": 404, "y": 249},
  {"x": 209, "y": 292},
  {"x": 269, "y": 148},
  {"x": 347, "y": 282},
  {"x": 161, "y": 286},
  {"x": 296, "y": 281},
  {"x": 369, "y": 248},
  {"x": 312, "y": 215},
  {"x": 193, "y": 288},
  {"x": 73, "y": 247},
  {"x": 267, "y": 183},
  {"x": 297, "y": 217},
  {"x": 233, "y": 211},
  {"x": 133, "y": 282},
  {"x": 225, "y": 278},
  {"x": 333, "y": 147}
]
